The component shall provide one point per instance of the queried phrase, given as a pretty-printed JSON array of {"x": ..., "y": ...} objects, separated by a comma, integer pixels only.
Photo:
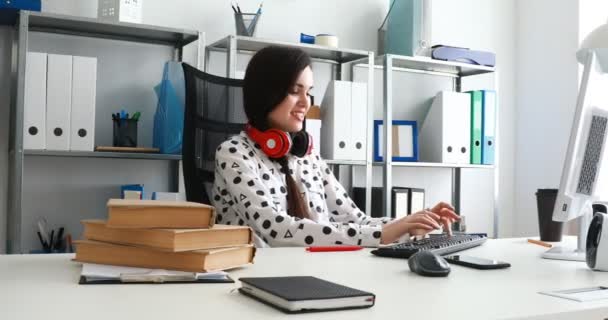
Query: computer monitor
[{"x": 584, "y": 157}]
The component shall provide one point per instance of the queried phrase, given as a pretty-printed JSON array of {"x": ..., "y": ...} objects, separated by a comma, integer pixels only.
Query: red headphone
[{"x": 277, "y": 143}]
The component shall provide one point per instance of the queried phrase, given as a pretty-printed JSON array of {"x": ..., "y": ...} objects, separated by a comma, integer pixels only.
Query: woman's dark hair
[{"x": 270, "y": 74}]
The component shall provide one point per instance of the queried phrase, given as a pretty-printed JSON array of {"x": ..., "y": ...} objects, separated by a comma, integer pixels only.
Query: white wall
[
  {"x": 486, "y": 25},
  {"x": 547, "y": 85},
  {"x": 591, "y": 15}
]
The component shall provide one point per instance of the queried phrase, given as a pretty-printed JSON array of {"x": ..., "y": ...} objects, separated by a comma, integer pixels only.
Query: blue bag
[{"x": 169, "y": 116}]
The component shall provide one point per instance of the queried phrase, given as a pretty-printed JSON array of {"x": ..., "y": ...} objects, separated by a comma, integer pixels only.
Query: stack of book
[{"x": 164, "y": 235}]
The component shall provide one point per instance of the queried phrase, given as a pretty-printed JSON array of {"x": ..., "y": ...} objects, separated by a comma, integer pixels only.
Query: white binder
[
  {"x": 358, "y": 121},
  {"x": 58, "y": 102},
  {"x": 34, "y": 102},
  {"x": 416, "y": 200},
  {"x": 313, "y": 127},
  {"x": 336, "y": 117},
  {"x": 84, "y": 81},
  {"x": 445, "y": 135},
  {"x": 400, "y": 201}
]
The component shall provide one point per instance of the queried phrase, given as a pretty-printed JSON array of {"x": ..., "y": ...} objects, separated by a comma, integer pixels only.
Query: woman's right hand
[{"x": 419, "y": 223}]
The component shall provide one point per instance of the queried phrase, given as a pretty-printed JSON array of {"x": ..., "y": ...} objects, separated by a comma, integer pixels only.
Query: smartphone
[{"x": 477, "y": 263}]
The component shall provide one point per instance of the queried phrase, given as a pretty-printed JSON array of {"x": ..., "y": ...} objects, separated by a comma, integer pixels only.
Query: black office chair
[{"x": 214, "y": 112}]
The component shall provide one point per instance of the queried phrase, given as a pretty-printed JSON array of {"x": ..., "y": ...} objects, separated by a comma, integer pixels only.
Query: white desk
[{"x": 45, "y": 287}]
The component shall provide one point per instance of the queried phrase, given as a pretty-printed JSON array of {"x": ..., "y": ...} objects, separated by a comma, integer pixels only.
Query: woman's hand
[
  {"x": 446, "y": 214},
  {"x": 420, "y": 223}
]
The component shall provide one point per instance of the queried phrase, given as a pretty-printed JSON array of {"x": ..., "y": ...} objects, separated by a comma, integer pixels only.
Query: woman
[{"x": 287, "y": 195}]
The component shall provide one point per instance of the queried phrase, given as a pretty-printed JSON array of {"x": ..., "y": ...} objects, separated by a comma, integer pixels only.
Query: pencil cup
[
  {"x": 549, "y": 230},
  {"x": 246, "y": 23},
  {"x": 124, "y": 133}
]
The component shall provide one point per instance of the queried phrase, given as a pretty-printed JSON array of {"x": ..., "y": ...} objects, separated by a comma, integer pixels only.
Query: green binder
[{"x": 476, "y": 123}]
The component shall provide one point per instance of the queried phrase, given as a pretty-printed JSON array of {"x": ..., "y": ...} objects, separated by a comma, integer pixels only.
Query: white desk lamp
[{"x": 597, "y": 42}]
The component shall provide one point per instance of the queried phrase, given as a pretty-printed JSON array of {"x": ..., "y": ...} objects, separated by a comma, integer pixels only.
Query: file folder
[
  {"x": 445, "y": 136},
  {"x": 151, "y": 280},
  {"x": 406, "y": 201},
  {"x": 416, "y": 203},
  {"x": 476, "y": 126},
  {"x": 489, "y": 126},
  {"x": 109, "y": 274},
  {"x": 400, "y": 198},
  {"x": 58, "y": 102},
  {"x": 84, "y": 81},
  {"x": 34, "y": 102},
  {"x": 358, "y": 121},
  {"x": 336, "y": 116},
  {"x": 377, "y": 203},
  {"x": 313, "y": 127}
]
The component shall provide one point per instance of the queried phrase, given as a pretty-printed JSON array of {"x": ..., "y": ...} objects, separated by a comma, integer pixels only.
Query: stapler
[{"x": 465, "y": 55}]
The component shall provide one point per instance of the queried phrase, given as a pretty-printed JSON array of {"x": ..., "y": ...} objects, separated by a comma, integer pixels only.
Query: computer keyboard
[{"x": 440, "y": 244}]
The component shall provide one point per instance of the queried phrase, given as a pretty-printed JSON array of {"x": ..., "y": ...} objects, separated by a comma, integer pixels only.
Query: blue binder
[
  {"x": 9, "y": 9},
  {"x": 32, "y": 5},
  {"x": 488, "y": 126}
]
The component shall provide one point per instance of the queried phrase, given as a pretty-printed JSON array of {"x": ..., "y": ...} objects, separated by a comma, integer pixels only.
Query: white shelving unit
[
  {"x": 453, "y": 70},
  {"x": 30, "y": 22}
]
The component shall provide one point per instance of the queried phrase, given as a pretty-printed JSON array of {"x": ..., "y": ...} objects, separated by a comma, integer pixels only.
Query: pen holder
[
  {"x": 42, "y": 251},
  {"x": 124, "y": 133},
  {"x": 246, "y": 23}
]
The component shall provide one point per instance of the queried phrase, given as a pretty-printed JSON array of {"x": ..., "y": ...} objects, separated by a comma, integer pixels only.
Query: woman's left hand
[{"x": 446, "y": 214}]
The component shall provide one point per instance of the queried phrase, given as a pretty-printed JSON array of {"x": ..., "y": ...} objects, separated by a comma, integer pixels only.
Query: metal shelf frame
[
  {"x": 77, "y": 26},
  {"x": 90, "y": 27},
  {"x": 231, "y": 44},
  {"x": 456, "y": 71},
  {"x": 98, "y": 154},
  {"x": 437, "y": 165}
]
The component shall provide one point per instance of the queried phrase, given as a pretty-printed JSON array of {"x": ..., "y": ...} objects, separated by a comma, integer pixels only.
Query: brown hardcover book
[
  {"x": 193, "y": 261},
  {"x": 159, "y": 214},
  {"x": 175, "y": 240}
]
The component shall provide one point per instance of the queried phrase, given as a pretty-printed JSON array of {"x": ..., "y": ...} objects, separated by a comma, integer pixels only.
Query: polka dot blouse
[{"x": 250, "y": 189}]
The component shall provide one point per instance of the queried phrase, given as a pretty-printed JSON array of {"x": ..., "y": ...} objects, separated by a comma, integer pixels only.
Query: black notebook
[{"x": 305, "y": 294}]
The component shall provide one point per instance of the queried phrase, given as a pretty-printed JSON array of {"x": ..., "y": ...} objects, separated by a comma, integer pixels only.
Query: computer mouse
[{"x": 429, "y": 264}]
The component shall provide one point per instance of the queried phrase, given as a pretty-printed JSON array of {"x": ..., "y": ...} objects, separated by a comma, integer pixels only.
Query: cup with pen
[
  {"x": 246, "y": 22},
  {"x": 52, "y": 242},
  {"x": 125, "y": 129}
]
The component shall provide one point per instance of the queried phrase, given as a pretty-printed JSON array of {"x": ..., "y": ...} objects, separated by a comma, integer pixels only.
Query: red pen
[{"x": 333, "y": 248}]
